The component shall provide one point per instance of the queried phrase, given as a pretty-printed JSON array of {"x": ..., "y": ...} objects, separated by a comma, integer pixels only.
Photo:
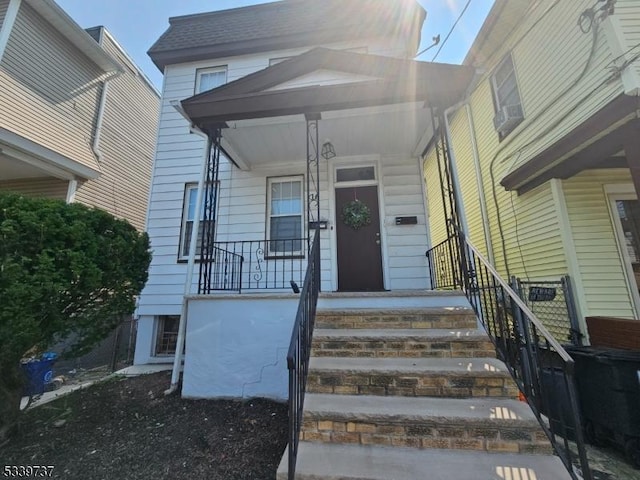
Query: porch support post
[
  {"x": 313, "y": 174},
  {"x": 632, "y": 152},
  {"x": 209, "y": 209}
]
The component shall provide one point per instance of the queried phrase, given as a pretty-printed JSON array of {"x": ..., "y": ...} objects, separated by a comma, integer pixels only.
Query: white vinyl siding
[
  {"x": 243, "y": 196},
  {"x": 405, "y": 245}
]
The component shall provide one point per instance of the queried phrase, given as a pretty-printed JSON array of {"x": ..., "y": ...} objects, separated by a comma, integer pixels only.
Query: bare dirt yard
[{"x": 125, "y": 428}]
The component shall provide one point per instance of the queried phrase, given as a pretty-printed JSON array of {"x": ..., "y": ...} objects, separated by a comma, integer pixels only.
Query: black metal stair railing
[
  {"x": 300, "y": 349},
  {"x": 540, "y": 366}
]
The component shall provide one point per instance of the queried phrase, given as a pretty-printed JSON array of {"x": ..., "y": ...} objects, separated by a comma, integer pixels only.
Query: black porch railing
[
  {"x": 254, "y": 265},
  {"x": 541, "y": 368},
  {"x": 300, "y": 349}
]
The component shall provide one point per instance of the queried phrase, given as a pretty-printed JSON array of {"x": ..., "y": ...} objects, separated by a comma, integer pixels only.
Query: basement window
[{"x": 167, "y": 334}]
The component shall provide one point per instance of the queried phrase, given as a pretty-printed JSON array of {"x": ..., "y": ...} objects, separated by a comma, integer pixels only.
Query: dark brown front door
[{"x": 359, "y": 250}]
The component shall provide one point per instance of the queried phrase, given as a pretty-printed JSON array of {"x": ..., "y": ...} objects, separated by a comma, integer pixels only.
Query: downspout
[
  {"x": 182, "y": 326},
  {"x": 98, "y": 132},
  {"x": 71, "y": 190},
  {"x": 7, "y": 25},
  {"x": 481, "y": 193}
]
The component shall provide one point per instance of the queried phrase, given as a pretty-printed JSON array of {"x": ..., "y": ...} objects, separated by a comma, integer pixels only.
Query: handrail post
[{"x": 532, "y": 355}]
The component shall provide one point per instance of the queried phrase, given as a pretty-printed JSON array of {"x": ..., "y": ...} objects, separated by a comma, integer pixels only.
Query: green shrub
[{"x": 64, "y": 269}]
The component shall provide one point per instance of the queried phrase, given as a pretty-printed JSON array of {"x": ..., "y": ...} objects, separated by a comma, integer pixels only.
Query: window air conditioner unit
[{"x": 507, "y": 118}]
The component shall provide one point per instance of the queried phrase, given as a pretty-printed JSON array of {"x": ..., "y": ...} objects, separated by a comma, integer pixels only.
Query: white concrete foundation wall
[{"x": 237, "y": 346}]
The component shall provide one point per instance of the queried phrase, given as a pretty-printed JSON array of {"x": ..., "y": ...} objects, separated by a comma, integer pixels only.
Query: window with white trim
[
  {"x": 506, "y": 97},
  {"x": 188, "y": 215},
  {"x": 167, "y": 334},
  {"x": 210, "y": 78},
  {"x": 285, "y": 225}
]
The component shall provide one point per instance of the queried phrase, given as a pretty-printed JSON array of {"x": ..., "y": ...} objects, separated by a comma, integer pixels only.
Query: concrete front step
[
  {"x": 412, "y": 342},
  {"x": 425, "y": 317},
  {"x": 429, "y": 377},
  {"x": 317, "y": 461},
  {"x": 496, "y": 425}
]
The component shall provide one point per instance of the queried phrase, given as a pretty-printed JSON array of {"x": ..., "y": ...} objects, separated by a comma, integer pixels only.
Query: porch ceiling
[
  {"x": 369, "y": 131},
  {"x": 12, "y": 169},
  {"x": 263, "y": 114}
]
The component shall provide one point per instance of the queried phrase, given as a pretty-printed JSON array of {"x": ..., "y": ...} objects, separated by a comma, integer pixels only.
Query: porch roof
[
  {"x": 599, "y": 142},
  {"x": 392, "y": 81},
  {"x": 368, "y": 105}
]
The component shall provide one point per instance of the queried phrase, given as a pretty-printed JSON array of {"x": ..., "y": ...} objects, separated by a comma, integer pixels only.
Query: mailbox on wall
[{"x": 407, "y": 220}]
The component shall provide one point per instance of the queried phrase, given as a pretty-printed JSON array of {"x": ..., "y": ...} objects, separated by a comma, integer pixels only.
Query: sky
[{"x": 137, "y": 24}]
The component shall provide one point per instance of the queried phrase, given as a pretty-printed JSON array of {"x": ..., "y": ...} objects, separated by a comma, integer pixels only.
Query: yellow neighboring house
[
  {"x": 546, "y": 149},
  {"x": 78, "y": 119}
]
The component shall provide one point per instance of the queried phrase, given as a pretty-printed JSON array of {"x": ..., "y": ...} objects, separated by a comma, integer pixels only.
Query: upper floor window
[
  {"x": 285, "y": 216},
  {"x": 210, "y": 78},
  {"x": 506, "y": 97}
]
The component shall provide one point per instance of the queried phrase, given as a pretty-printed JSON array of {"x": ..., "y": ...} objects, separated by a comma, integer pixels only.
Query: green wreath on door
[{"x": 356, "y": 214}]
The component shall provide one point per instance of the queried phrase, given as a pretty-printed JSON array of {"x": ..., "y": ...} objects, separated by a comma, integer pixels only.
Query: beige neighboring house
[{"x": 78, "y": 119}]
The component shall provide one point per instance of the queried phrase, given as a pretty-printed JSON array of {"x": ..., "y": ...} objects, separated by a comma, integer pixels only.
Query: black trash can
[
  {"x": 38, "y": 372},
  {"x": 608, "y": 382}
]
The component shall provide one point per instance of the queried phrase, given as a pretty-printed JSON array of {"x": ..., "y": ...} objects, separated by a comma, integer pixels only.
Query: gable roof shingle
[{"x": 284, "y": 24}]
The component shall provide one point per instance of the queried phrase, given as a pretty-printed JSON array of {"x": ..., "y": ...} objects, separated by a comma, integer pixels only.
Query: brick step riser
[
  {"x": 395, "y": 321},
  {"x": 411, "y": 385},
  {"x": 402, "y": 348},
  {"x": 512, "y": 439}
]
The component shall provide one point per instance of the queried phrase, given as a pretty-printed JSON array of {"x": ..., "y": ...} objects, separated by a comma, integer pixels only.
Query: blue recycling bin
[{"x": 38, "y": 372}]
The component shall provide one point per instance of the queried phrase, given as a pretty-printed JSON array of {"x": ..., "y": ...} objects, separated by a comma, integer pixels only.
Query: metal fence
[
  {"x": 552, "y": 303},
  {"x": 111, "y": 354}
]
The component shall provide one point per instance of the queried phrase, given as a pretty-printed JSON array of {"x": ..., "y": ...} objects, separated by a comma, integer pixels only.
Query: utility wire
[{"x": 452, "y": 29}]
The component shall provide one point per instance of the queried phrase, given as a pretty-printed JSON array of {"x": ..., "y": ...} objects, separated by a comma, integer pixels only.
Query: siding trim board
[{"x": 568, "y": 244}]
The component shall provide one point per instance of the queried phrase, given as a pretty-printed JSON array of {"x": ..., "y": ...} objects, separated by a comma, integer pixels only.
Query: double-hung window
[
  {"x": 188, "y": 216},
  {"x": 285, "y": 216},
  {"x": 506, "y": 97},
  {"x": 210, "y": 78}
]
